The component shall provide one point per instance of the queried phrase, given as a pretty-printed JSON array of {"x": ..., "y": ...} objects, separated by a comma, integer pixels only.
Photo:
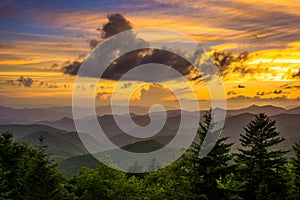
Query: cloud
[
  {"x": 241, "y": 97},
  {"x": 224, "y": 60},
  {"x": 155, "y": 94},
  {"x": 72, "y": 69},
  {"x": 116, "y": 24},
  {"x": 259, "y": 98},
  {"x": 126, "y": 85},
  {"x": 289, "y": 86},
  {"x": 284, "y": 86},
  {"x": 104, "y": 95},
  {"x": 122, "y": 64},
  {"x": 147, "y": 56},
  {"x": 273, "y": 23},
  {"x": 93, "y": 43},
  {"x": 231, "y": 92},
  {"x": 10, "y": 82},
  {"x": 277, "y": 91},
  {"x": 54, "y": 65},
  {"x": 53, "y": 86},
  {"x": 26, "y": 82},
  {"x": 260, "y": 93},
  {"x": 297, "y": 74},
  {"x": 270, "y": 92},
  {"x": 241, "y": 86}
]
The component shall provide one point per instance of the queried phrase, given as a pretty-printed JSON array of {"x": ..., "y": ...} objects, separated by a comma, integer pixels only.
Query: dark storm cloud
[
  {"x": 26, "y": 82},
  {"x": 72, "y": 68},
  {"x": 224, "y": 59},
  {"x": 119, "y": 66},
  {"x": 135, "y": 58},
  {"x": 116, "y": 24}
]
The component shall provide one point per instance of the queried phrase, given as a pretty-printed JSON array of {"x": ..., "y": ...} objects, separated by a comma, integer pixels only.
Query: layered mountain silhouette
[{"x": 65, "y": 147}]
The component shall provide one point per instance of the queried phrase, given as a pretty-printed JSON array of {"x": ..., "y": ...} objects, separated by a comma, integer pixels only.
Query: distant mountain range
[
  {"x": 59, "y": 145},
  {"x": 22, "y": 130},
  {"x": 57, "y": 115},
  {"x": 73, "y": 164},
  {"x": 65, "y": 147},
  {"x": 287, "y": 124},
  {"x": 29, "y": 115}
]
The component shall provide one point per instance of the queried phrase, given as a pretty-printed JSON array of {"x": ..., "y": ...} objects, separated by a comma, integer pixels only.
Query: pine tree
[
  {"x": 209, "y": 171},
  {"x": 261, "y": 166},
  {"x": 296, "y": 169},
  {"x": 26, "y": 172}
]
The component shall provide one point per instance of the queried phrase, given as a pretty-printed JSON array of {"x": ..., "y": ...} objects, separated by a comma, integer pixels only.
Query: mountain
[
  {"x": 287, "y": 124},
  {"x": 72, "y": 165},
  {"x": 63, "y": 143},
  {"x": 29, "y": 115},
  {"x": 255, "y": 109},
  {"x": 21, "y": 130},
  {"x": 287, "y": 120},
  {"x": 65, "y": 123},
  {"x": 35, "y": 114},
  {"x": 293, "y": 111},
  {"x": 122, "y": 110},
  {"x": 143, "y": 147},
  {"x": 58, "y": 145},
  {"x": 234, "y": 126},
  {"x": 4, "y": 121}
]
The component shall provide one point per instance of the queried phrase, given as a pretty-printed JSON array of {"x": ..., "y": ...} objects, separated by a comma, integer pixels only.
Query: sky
[{"x": 39, "y": 39}]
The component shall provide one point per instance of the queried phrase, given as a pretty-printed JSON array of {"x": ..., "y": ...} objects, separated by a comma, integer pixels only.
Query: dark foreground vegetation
[{"x": 257, "y": 171}]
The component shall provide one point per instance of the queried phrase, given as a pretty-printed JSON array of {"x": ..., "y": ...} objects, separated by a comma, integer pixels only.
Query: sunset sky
[{"x": 38, "y": 39}]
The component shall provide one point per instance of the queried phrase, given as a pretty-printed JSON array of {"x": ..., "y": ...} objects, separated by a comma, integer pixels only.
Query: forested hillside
[{"x": 257, "y": 170}]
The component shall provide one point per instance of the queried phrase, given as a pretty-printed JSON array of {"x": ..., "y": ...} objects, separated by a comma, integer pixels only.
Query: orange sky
[{"x": 48, "y": 39}]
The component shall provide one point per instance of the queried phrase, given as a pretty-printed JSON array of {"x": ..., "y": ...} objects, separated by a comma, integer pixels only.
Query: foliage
[
  {"x": 260, "y": 165},
  {"x": 206, "y": 173},
  {"x": 259, "y": 171},
  {"x": 26, "y": 172},
  {"x": 296, "y": 171}
]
